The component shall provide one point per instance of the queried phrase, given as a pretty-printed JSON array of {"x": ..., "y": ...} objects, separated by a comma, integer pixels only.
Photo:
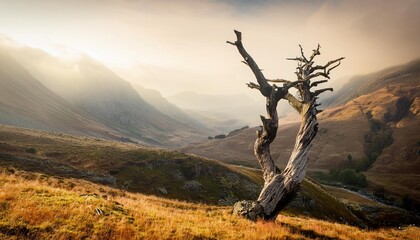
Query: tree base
[{"x": 249, "y": 209}]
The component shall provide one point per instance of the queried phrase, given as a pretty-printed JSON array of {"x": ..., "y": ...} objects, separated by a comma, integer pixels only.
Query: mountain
[
  {"x": 26, "y": 102},
  {"x": 388, "y": 99},
  {"x": 392, "y": 76},
  {"x": 154, "y": 98},
  {"x": 111, "y": 100}
]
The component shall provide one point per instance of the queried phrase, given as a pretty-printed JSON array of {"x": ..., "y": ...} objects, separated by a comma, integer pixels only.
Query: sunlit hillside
[
  {"x": 372, "y": 128},
  {"x": 37, "y": 206}
]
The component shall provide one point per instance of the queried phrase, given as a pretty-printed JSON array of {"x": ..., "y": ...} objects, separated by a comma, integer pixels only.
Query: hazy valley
[{"x": 373, "y": 113}]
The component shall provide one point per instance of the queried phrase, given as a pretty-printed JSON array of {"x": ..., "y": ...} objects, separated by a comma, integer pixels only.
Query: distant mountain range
[
  {"x": 129, "y": 110},
  {"x": 92, "y": 88}
]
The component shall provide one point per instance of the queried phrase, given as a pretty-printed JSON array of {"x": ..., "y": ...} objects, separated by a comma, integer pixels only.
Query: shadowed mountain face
[
  {"x": 375, "y": 117},
  {"x": 110, "y": 99},
  {"x": 26, "y": 102}
]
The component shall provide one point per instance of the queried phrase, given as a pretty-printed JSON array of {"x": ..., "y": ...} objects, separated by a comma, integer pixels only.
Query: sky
[{"x": 176, "y": 46}]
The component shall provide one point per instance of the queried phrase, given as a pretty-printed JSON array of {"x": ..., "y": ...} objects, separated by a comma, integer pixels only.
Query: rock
[
  {"x": 177, "y": 175},
  {"x": 162, "y": 191},
  {"x": 192, "y": 185},
  {"x": 248, "y": 209}
]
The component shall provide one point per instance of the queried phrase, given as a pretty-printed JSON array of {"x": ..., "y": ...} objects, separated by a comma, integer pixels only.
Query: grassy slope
[
  {"x": 124, "y": 165},
  {"x": 130, "y": 167},
  {"x": 137, "y": 169},
  {"x": 35, "y": 206},
  {"x": 325, "y": 152}
]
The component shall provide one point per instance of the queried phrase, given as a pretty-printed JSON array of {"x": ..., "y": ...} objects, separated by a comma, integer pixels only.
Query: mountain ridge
[
  {"x": 26, "y": 102},
  {"x": 111, "y": 100}
]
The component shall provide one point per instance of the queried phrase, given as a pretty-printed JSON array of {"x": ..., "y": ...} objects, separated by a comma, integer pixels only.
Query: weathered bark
[{"x": 280, "y": 186}]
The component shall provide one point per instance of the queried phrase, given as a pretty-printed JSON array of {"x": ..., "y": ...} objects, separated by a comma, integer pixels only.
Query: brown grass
[{"x": 34, "y": 206}]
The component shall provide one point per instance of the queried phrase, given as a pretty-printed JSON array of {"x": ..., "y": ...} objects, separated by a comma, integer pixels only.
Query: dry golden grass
[{"x": 34, "y": 206}]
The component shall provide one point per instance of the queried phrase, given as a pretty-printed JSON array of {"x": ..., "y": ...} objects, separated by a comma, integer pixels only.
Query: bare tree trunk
[{"x": 281, "y": 186}]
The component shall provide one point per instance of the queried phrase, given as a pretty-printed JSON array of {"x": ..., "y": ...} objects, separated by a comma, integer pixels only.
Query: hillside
[
  {"x": 376, "y": 131},
  {"x": 25, "y": 102},
  {"x": 134, "y": 168},
  {"x": 238, "y": 149},
  {"x": 363, "y": 84},
  {"x": 38, "y": 206},
  {"x": 111, "y": 100},
  {"x": 393, "y": 103},
  {"x": 130, "y": 167},
  {"x": 99, "y": 182},
  {"x": 124, "y": 166}
]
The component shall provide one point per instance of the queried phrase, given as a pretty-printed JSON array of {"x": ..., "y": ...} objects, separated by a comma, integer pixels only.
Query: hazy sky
[{"x": 176, "y": 46}]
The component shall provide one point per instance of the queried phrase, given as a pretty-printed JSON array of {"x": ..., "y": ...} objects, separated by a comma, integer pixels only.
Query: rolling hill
[
  {"x": 72, "y": 161},
  {"x": 55, "y": 185},
  {"x": 134, "y": 168}
]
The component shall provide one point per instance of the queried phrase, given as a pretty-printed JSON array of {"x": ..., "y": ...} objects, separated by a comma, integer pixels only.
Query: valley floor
[{"x": 38, "y": 206}]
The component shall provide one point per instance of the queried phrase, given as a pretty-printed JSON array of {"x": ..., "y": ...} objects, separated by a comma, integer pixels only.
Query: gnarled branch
[
  {"x": 265, "y": 88},
  {"x": 324, "y": 67},
  {"x": 315, "y": 53},
  {"x": 279, "y": 80},
  {"x": 316, "y": 83},
  {"x": 317, "y": 92},
  {"x": 253, "y": 85}
]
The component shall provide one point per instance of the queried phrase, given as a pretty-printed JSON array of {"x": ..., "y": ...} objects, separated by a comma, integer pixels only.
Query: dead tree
[{"x": 280, "y": 186}]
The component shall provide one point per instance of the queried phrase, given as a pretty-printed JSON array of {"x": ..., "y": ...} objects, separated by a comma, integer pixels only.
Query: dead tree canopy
[{"x": 280, "y": 186}]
